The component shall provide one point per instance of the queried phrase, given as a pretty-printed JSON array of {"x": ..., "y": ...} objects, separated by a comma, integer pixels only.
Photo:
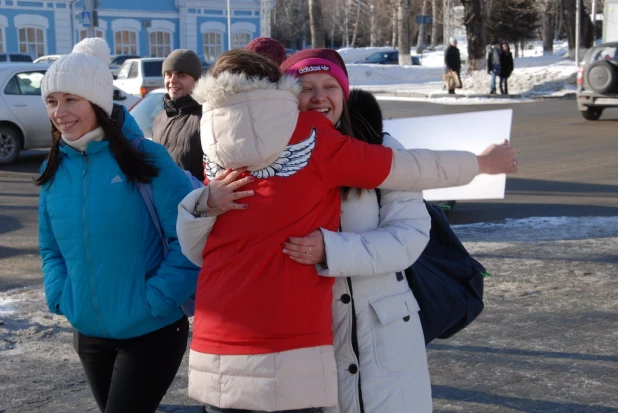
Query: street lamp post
[
  {"x": 577, "y": 30},
  {"x": 229, "y": 25}
]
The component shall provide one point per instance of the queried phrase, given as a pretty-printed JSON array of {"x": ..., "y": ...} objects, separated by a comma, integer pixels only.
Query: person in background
[
  {"x": 268, "y": 47},
  {"x": 493, "y": 64},
  {"x": 103, "y": 261},
  {"x": 452, "y": 60},
  {"x": 177, "y": 126},
  {"x": 506, "y": 68},
  {"x": 382, "y": 232}
]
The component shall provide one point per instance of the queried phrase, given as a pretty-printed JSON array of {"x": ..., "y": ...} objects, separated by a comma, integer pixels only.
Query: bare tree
[
  {"x": 586, "y": 30},
  {"x": 434, "y": 23},
  {"x": 420, "y": 44},
  {"x": 474, "y": 20},
  {"x": 359, "y": 4},
  {"x": 315, "y": 21},
  {"x": 403, "y": 29},
  {"x": 394, "y": 23},
  {"x": 372, "y": 25},
  {"x": 548, "y": 10}
]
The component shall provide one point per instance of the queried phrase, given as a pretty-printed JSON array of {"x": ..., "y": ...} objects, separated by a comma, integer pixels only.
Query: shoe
[{"x": 492, "y": 92}]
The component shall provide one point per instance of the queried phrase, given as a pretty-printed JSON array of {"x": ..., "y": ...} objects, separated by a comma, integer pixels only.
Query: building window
[
  {"x": 32, "y": 41},
  {"x": 240, "y": 40},
  {"x": 213, "y": 46},
  {"x": 125, "y": 42},
  {"x": 97, "y": 33},
  {"x": 160, "y": 44}
]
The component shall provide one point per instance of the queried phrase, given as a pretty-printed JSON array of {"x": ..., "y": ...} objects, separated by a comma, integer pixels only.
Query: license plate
[{"x": 606, "y": 101}]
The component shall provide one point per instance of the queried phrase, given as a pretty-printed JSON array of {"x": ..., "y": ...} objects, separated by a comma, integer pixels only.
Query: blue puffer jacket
[{"x": 103, "y": 265}]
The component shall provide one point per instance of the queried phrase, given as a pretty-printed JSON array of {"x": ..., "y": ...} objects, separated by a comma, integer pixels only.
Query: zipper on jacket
[
  {"x": 355, "y": 346},
  {"x": 85, "y": 196}
]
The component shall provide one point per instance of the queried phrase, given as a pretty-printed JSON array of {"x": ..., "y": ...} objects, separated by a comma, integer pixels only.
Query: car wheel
[
  {"x": 601, "y": 77},
  {"x": 592, "y": 113},
  {"x": 10, "y": 144}
]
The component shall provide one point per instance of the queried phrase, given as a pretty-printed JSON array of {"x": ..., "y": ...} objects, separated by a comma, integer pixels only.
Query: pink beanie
[{"x": 318, "y": 61}]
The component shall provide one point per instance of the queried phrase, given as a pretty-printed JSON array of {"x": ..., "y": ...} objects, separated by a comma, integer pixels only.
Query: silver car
[{"x": 24, "y": 123}]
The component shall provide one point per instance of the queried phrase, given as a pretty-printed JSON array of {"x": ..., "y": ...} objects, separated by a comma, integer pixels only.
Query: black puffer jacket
[
  {"x": 506, "y": 63},
  {"x": 452, "y": 59},
  {"x": 177, "y": 127}
]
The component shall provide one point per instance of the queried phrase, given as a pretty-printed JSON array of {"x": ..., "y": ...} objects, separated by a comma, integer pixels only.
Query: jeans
[
  {"x": 504, "y": 85},
  {"x": 493, "y": 81},
  {"x": 132, "y": 375},
  {"x": 213, "y": 409}
]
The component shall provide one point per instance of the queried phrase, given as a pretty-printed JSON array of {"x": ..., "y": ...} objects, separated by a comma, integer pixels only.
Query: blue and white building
[{"x": 150, "y": 28}]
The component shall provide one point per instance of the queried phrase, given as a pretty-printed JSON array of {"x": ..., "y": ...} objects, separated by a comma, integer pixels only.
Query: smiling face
[
  {"x": 178, "y": 84},
  {"x": 321, "y": 92},
  {"x": 72, "y": 115}
]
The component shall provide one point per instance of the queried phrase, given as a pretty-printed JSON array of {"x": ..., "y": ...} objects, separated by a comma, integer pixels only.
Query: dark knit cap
[
  {"x": 183, "y": 61},
  {"x": 318, "y": 60},
  {"x": 267, "y": 47}
]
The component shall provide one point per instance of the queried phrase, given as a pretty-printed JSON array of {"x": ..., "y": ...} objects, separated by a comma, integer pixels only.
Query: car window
[
  {"x": 393, "y": 56},
  {"x": 26, "y": 83},
  {"x": 118, "y": 60},
  {"x": 133, "y": 70},
  {"x": 20, "y": 58},
  {"x": 2, "y": 58},
  {"x": 153, "y": 68},
  {"x": 123, "y": 73},
  {"x": 605, "y": 53},
  {"x": 145, "y": 111}
]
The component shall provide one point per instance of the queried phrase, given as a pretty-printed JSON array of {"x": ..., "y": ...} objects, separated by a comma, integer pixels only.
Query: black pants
[
  {"x": 504, "y": 85},
  {"x": 212, "y": 409},
  {"x": 132, "y": 375}
]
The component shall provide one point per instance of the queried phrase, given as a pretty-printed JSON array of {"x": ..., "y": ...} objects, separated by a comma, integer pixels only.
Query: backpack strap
[{"x": 145, "y": 191}]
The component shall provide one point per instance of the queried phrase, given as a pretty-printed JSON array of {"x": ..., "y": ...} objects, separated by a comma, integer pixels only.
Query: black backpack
[{"x": 446, "y": 281}]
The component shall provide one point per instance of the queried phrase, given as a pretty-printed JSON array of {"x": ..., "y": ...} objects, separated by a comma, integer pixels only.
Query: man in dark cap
[{"x": 177, "y": 126}]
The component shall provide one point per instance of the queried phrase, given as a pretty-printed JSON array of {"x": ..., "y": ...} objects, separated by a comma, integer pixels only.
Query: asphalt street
[{"x": 546, "y": 341}]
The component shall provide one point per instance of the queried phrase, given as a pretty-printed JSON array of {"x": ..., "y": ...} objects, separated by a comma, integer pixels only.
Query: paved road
[{"x": 546, "y": 341}]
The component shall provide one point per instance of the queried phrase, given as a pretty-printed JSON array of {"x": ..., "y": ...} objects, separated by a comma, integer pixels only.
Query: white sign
[{"x": 473, "y": 132}]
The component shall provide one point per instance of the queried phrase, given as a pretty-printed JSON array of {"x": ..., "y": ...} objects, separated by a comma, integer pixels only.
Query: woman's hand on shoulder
[
  {"x": 308, "y": 250},
  {"x": 498, "y": 159},
  {"x": 223, "y": 190}
]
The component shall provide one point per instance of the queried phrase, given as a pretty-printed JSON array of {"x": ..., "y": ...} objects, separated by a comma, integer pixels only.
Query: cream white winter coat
[{"x": 378, "y": 240}]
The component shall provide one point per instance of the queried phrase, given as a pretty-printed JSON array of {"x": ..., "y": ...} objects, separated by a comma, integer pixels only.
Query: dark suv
[
  {"x": 597, "y": 81},
  {"x": 387, "y": 58}
]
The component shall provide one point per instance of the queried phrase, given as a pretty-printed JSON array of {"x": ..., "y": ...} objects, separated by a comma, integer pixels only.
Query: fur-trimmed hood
[{"x": 245, "y": 121}]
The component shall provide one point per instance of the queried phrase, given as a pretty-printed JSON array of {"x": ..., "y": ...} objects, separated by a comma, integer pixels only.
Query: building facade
[{"x": 149, "y": 28}]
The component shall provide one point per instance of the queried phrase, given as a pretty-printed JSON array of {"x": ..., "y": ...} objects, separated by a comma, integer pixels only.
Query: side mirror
[{"x": 118, "y": 95}]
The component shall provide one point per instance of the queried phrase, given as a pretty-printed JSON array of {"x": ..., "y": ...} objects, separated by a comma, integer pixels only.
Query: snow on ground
[{"x": 535, "y": 74}]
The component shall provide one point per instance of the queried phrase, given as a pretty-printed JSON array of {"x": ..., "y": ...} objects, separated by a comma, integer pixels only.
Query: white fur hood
[{"x": 246, "y": 121}]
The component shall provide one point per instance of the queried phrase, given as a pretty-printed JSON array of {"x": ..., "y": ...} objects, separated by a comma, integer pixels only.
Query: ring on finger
[{"x": 308, "y": 251}]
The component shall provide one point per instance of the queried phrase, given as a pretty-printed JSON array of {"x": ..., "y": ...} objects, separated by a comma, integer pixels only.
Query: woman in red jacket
[{"x": 263, "y": 335}]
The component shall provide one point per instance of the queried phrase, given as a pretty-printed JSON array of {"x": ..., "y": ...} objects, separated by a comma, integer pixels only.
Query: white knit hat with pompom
[{"x": 85, "y": 73}]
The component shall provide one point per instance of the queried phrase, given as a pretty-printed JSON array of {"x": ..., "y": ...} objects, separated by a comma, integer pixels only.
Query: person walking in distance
[
  {"x": 452, "y": 61},
  {"x": 103, "y": 260},
  {"x": 506, "y": 68},
  {"x": 177, "y": 126},
  {"x": 493, "y": 64}
]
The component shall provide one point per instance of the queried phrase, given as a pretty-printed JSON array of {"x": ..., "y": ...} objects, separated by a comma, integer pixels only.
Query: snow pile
[{"x": 535, "y": 74}]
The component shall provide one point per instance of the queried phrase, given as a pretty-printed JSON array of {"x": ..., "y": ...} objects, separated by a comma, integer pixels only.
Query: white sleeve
[
  {"x": 401, "y": 237},
  {"x": 193, "y": 231}
]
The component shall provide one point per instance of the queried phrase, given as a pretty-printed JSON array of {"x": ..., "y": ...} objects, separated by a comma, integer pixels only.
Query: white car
[
  {"x": 48, "y": 59},
  {"x": 140, "y": 76},
  {"x": 146, "y": 110},
  {"x": 24, "y": 123}
]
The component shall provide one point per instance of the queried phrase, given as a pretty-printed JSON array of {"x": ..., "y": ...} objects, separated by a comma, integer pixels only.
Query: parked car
[
  {"x": 597, "y": 81},
  {"x": 387, "y": 58},
  {"x": 117, "y": 60},
  {"x": 205, "y": 63},
  {"x": 146, "y": 110},
  {"x": 140, "y": 76},
  {"x": 48, "y": 59},
  {"x": 24, "y": 123},
  {"x": 15, "y": 57}
]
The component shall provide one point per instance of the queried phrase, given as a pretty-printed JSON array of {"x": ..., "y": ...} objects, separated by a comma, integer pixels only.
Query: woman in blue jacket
[{"x": 104, "y": 266}]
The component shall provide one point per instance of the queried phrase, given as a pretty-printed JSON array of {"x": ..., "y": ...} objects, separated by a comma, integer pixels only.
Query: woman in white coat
[{"x": 378, "y": 339}]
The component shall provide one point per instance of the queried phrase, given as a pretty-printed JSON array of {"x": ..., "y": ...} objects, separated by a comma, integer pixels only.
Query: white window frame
[
  {"x": 165, "y": 27},
  {"x": 212, "y": 28},
  {"x": 239, "y": 45},
  {"x": 126, "y": 25},
  {"x": 32, "y": 21},
  {"x": 4, "y": 23},
  {"x": 81, "y": 35}
]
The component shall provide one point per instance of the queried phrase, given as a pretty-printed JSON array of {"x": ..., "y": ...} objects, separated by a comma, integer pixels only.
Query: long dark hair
[
  {"x": 135, "y": 165},
  {"x": 361, "y": 119}
]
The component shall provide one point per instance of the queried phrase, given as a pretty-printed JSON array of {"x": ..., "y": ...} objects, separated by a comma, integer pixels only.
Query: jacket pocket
[
  {"x": 65, "y": 304},
  {"x": 397, "y": 333}
]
